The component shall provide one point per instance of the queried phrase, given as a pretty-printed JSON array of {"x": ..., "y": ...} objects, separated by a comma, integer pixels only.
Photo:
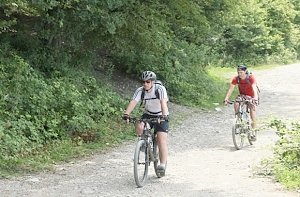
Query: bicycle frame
[
  {"x": 148, "y": 137},
  {"x": 242, "y": 126},
  {"x": 243, "y": 112},
  {"x": 147, "y": 147}
]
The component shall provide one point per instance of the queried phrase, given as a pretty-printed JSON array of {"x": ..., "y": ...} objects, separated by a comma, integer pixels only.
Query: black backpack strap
[
  {"x": 142, "y": 97},
  {"x": 238, "y": 80},
  {"x": 156, "y": 92},
  {"x": 247, "y": 79}
]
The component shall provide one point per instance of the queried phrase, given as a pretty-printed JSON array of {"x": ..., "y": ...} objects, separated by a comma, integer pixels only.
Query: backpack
[
  {"x": 248, "y": 74},
  {"x": 157, "y": 83}
]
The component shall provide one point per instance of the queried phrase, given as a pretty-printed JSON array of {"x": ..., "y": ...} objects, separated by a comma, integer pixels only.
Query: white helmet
[{"x": 148, "y": 75}]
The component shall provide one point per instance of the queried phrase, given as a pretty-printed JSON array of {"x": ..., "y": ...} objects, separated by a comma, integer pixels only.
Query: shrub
[{"x": 287, "y": 152}]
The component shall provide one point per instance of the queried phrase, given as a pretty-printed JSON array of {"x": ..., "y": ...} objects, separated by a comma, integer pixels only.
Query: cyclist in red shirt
[{"x": 247, "y": 88}]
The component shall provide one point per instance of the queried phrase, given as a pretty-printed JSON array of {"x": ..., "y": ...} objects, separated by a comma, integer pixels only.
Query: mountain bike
[
  {"x": 146, "y": 151},
  {"x": 241, "y": 128}
]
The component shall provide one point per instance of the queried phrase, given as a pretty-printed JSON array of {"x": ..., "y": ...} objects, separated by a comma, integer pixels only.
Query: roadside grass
[
  {"x": 68, "y": 151},
  {"x": 290, "y": 178},
  {"x": 286, "y": 160},
  {"x": 65, "y": 151},
  {"x": 223, "y": 75}
]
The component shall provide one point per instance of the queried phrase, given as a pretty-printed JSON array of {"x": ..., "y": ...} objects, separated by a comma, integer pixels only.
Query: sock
[{"x": 162, "y": 164}]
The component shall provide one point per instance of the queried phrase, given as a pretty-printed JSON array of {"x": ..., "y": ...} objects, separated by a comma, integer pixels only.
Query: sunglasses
[{"x": 146, "y": 82}]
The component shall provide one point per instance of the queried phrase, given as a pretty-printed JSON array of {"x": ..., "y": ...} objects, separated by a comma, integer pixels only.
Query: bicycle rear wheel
[
  {"x": 252, "y": 133},
  {"x": 238, "y": 136},
  {"x": 141, "y": 163},
  {"x": 156, "y": 157}
]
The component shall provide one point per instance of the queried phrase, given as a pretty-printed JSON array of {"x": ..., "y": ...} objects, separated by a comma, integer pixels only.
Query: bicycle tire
[
  {"x": 237, "y": 136},
  {"x": 156, "y": 157},
  {"x": 249, "y": 136},
  {"x": 248, "y": 128},
  {"x": 141, "y": 163}
]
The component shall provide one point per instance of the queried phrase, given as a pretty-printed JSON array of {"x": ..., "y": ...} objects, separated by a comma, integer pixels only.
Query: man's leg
[
  {"x": 236, "y": 108},
  {"x": 253, "y": 116},
  {"x": 163, "y": 152},
  {"x": 162, "y": 138},
  {"x": 139, "y": 127},
  {"x": 253, "y": 122},
  {"x": 162, "y": 142}
]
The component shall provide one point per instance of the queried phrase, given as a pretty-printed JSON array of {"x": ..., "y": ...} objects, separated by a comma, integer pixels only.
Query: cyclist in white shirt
[{"x": 155, "y": 101}]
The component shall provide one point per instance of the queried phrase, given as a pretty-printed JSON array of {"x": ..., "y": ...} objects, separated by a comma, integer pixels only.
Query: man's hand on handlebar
[
  {"x": 164, "y": 117},
  {"x": 226, "y": 101},
  {"x": 126, "y": 117}
]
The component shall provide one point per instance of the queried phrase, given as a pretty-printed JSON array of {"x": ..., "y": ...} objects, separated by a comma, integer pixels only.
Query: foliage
[
  {"x": 168, "y": 37},
  {"x": 287, "y": 152},
  {"x": 36, "y": 112},
  {"x": 48, "y": 49},
  {"x": 259, "y": 31}
]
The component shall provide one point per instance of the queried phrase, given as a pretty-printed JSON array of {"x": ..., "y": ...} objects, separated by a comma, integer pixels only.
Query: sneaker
[{"x": 160, "y": 170}]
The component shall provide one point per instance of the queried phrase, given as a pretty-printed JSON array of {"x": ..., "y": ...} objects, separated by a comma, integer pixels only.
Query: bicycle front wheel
[
  {"x": 237, "y": 136},
  {"x": 141, "y": 163}
]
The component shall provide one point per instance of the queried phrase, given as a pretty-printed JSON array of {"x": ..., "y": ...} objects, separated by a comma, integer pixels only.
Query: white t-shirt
[{"x": 152, "y": 104}]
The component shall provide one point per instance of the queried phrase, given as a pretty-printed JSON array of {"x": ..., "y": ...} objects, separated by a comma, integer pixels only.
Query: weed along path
[{"x": 202, "y": 160}]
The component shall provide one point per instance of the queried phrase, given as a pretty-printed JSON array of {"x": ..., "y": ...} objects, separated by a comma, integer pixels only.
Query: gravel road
[{"x": 202, "y": 160}]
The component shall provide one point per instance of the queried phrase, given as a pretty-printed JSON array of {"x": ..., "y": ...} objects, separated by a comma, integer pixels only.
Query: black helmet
[
  {"x": 148, "y": 75},
  {"x": 242, "y": 67}
]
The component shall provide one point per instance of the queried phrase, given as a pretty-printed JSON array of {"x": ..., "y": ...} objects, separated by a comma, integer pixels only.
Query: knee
[
  {"x": 139, "y": 128},
  {"x": 162, "y": 138}
]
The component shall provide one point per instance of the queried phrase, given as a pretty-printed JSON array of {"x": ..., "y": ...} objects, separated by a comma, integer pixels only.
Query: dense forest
[{"x": 49, "y": 50}]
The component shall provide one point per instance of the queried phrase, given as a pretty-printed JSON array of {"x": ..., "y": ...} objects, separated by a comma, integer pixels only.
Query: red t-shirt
[{"x": 245, "y": 87}]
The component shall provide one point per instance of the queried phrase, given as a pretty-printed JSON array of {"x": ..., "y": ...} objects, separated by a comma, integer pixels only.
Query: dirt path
[{"x": 202, "y": 161}]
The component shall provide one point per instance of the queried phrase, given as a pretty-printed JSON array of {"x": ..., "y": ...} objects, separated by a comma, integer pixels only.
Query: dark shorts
[{"x": 158, "y": 127}]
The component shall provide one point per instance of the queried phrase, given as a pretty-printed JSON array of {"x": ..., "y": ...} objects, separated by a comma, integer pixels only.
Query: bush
[
  {"x": 287, "y": 152},
  {"x": 36, "y": 111}
]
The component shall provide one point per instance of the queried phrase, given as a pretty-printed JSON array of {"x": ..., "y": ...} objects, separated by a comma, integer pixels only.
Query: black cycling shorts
[{"x": 163, "y": 126}]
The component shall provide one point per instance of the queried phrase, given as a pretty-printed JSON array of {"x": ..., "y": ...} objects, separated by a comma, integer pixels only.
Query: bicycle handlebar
[
  {"x": 245, "y": 99},
  {"x": 149, "y": 120}
]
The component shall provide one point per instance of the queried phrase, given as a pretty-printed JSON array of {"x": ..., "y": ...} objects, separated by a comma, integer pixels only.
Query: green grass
[
  {"x": 290, "y": 178},
  {"x": 65, "y": 151}
]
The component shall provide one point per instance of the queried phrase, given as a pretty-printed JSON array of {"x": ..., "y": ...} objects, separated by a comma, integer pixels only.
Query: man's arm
[
  {"x": 130, "y": 107},
  {"x": 164, "y": 107},
  {"x": 254, "y": 87}
]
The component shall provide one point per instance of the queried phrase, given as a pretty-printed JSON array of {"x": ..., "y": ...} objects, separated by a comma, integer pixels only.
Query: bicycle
[
  {"x": 146, "y": 151},
  {"x": 241, "y": 128}
]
